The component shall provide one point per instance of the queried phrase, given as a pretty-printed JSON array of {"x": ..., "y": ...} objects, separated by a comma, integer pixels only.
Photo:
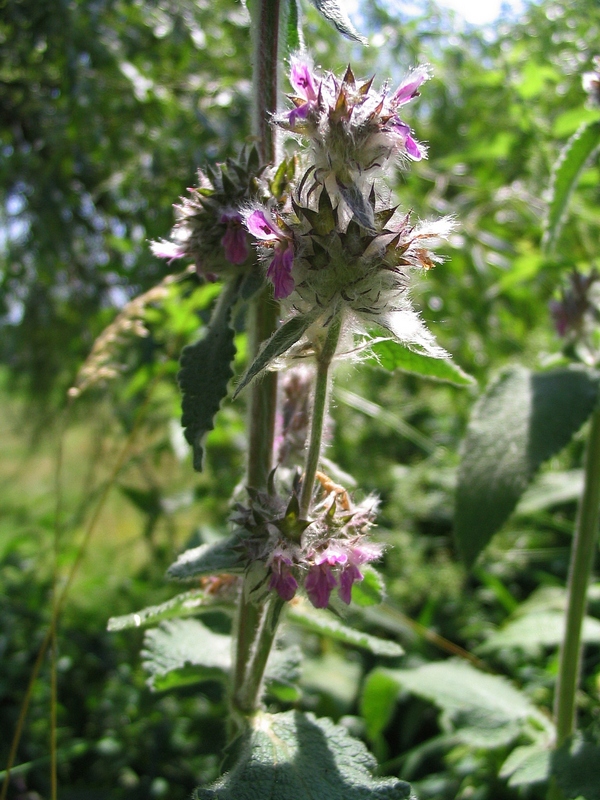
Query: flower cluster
[
  {"x": 352, "y": 128},
  {"x": 322, "y": 555},
  {"x": 320, "y": 262},
  {"x": 334, "y": 248},
  {"x": 209, "y": 230}
]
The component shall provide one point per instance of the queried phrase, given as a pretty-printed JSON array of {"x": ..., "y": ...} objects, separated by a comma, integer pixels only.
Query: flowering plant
[{"x": 325, "y": 263}]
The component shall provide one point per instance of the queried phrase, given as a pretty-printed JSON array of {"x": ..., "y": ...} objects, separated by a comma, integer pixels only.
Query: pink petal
[
  {"x": 302, "y": 80},
  {"x": 319, "y": 584},
  {"x": 348, "y": 577},
  {"x": 262, "y": 226},
  {"x": 414, "y": 150},
  {"x": 279, "y": 272},
  {"x": 409, "y": 87}
]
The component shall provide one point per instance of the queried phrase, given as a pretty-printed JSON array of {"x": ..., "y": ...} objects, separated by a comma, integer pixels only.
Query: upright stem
[
  {"x": 263, "y": 394},
  {"x": 247, "y": 695},
  {"x": 254, "y": 636},
  {"x": 266, "y": 51},
  {"x": 319, "y": 410},
  {"x": 582, "y": 562}
]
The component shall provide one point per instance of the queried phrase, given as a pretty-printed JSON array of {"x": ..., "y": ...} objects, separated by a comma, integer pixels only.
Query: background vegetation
[{"x": 106, "y": 110}]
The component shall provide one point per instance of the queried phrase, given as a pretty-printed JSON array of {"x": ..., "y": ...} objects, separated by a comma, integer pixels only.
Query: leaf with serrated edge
[
  {"x": 567, "y": 170},
  {"x": 392, "y": 355},
  {"x": 540, "y": 629},
  {"x": 333, "y": 11},
  {"x": 279, "y": 343},
  {"x": 184, "y": 651},
  {"x": 205, "y": 372},
  {"x": 475, "y": 704},
  {"x": 184, "y": 605},
  {"x": 294, "y": 756},
  {"x": 208, "y": 559},
  {"x": 327, "y": 624},
  {"x": 526, "y": 765},
  {"x": 522, "y": 419}
]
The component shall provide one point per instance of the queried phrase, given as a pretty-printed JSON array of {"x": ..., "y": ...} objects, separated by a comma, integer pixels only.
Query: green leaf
[
  {"x": 293, "y": 30},
  {"x": 205, "y": 372},
  {"x": 208, "y": 559},
  {"x": 379, "y": 695},
  {"x": 567, "y": 170},
  {"x": 294, "y": 756},
  {"x": 576, "y": 766},
  {"x": 371, "y": 590},
  {"x": 522, "y": 419},
  {"x": 392, "y": 355},
  {"x": 541, "y": 629},
  {"x": 526, "y": 765},
  {"x": 484, "y": 710},
  {"x": 333, "y": 11},
  {"x": 184, "y": 605},
  {"x": 325, "y": 623},
  {"x": 284, "y": 337},
  {"x": 283, "y": 672},
  {"x": 184, "y": 651}
]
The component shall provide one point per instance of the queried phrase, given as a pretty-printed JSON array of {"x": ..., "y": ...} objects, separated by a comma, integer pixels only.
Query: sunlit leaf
[
  {"x": 477, "y": 706},
  {"x": 333, "y": 11},
  {"x": 184, "y": 605},
  {"x": 392, "y": 355},
  {"x": 526, "y": 765},
  {"x": 541, "y": 629},
  {"x": 294, "y": 756},
  {"x": 567, "y": 170},
  {"x": 325, "y": 623},
  {"x": 208, "y": 559}
]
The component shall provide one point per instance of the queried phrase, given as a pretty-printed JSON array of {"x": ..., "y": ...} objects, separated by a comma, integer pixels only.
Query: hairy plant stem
[
  {"x": 582, "y": 561},
  {"x": 319, "y": 411},
  {"x": 254, "y": 640}
]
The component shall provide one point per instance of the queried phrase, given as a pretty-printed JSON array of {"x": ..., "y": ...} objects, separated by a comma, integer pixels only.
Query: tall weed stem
[
  {"x": 582, "y": 561},
  {"x": 252, "y": 618},
  {"x": 319, "y": 412}
]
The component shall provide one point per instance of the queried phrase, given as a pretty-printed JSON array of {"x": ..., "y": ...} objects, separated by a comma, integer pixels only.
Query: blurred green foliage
[{"x": 107, "y": 108}]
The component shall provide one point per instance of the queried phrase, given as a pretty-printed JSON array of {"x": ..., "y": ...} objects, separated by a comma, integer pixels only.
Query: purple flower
[
  {"x": 234, "y": 239},
  {"x": 409, "y": 88},
  {"x": 279, "y": 272},
  {"x": 413, "y": 148},
  {"x": 261, "y": 225},
  {"x": 347, "y": 578},
  {"x": 303, "y": 82},
  {"x": 320, "y": 580},
  {"x": 282, "y": 580},
  {"x": 319, "y": 584},
  {"x": 357, "y": 555}
]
